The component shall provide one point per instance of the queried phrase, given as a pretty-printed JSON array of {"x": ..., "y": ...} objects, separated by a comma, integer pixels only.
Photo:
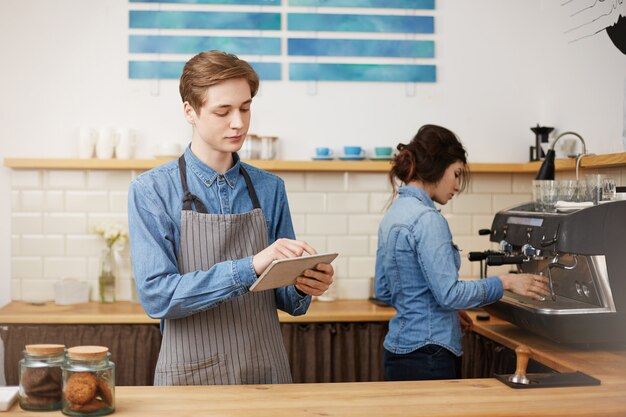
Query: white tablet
[{"x": 283, "y": 272}]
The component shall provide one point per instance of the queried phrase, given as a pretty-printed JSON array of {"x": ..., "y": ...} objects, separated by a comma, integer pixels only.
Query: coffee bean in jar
[
  {"x": 40, "y": 377},
  {"x": 88, "y": 382}
]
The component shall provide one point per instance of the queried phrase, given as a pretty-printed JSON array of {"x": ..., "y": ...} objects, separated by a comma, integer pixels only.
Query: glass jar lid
[
  {"x": 44, "y": 349},
  {"x": 88, "y": 352}
]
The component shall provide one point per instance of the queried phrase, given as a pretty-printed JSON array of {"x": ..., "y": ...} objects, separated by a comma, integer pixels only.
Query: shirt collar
[
  {"x": 207, "y": 174},
  {"x": 417, "y": 192}
]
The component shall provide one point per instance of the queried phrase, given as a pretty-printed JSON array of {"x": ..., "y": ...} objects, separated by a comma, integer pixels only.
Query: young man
[{"x": 203, "y": 228}]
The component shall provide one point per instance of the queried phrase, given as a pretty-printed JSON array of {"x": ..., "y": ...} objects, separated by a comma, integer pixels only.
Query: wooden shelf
[{"x": 592, "y": 161}]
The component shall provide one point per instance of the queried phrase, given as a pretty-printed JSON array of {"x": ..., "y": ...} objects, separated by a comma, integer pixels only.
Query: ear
[{"x": 190, "y": 113}]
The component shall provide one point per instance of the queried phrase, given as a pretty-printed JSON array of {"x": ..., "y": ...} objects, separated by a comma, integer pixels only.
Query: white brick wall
[{"x": 52, "y": 212}]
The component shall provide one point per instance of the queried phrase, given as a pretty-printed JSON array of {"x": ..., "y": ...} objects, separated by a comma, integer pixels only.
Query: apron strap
[
  {"x": 188, "y": 199},
  {"x": 251, "y": 190}
]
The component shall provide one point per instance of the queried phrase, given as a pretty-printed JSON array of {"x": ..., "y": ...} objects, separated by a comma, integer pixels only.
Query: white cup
[
  {"x": 105, "y": 145},
  {"x": 268, "y": 147},
  {"x": 86, "y": 142},
  {"x": 126, "y": 142}
]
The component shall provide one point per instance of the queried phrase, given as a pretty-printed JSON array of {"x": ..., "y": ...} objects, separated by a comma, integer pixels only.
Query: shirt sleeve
[
  {"x": 436, "y": 258},
  {"x": 288, "y": 299},
  {"x": 381, "y": 288},
  {"x": 164, "y": 292}
]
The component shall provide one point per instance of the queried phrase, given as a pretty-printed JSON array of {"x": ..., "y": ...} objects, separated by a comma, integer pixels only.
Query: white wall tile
[
  {"x": 86, "y": 245},
  {"x": 43, "y": 245},
  {"x": 523, "y": 183},
  {"x": 87, "y": 201},
  {"x": 491, "y": 183},
  {"x": 300, "y": 202},
  {"x": 15, "y": 201},
  {"x": 347, "y": 203},
  {"x": 16, "y": 289},
  {"x": 326, "y": 224},
  {"x": 354, "y": 289},
  {"x": 368, "y": 182},
  {"x": 340, "y": 265},
  {"x": 65, "y": 223},
  {"x": 26, "y": 267},
  {"x": 26, "y": 223},
  {"x": 373, "y": 245},
  {"x": 378, "y": 202},
  {"x": 64, "y": 179},
  {"x": 118, "y": 201},
  {"x": 54, "y": 200},
  {"x": 481, "y": 222},
  {"x": 123, "y": 290},
  {"x": 447, "y": 208},
  {"x": 108, "y": 180},
  {"x": 364, "y": 224},
  {"x": 471, "y": 203},
  {"x": 361, "y": 266},
  {"x": 16, "y": 245},
  {"x": 32, "y": 200},
  {"x": 504, "y": 201},
  {"x": 460, "y": 224},
  {"x": 294, "y": 181},
  {"x": 24, "y": 179},
  {"x": 65, "y": 267},
  {"x": 299, "y": 224},
  {"x": 37, "y": 290},
  {"x": 349, "y": 245},
  {"x": 320, "y": 181},
  {"x": 318, "y": 242},
  {"x": 95, "y": 219}
]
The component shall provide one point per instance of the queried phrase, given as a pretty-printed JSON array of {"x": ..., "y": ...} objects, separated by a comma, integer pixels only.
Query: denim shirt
[
  {"x": 417, "y": 268},
  {"x": 154, "y": 215}
]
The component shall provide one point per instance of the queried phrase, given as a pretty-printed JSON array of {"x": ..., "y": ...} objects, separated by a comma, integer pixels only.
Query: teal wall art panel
[
  {"x": 252, "y": 2},
  {"x": 325, "y": 22},
  {"x": 148, "y": 19},
  {"x": 269, "y": 71},
  {"x": 362, "y": 72},
  {"x": 360, "y": 47},
  {"x": 394, "y": 4},
  {"x": 152, "y": 44}
]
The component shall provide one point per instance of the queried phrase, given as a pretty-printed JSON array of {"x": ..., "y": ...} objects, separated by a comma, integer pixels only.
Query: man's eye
[
  {"x": 221, "y": 114},
  {"x": 244, "y": 110}
]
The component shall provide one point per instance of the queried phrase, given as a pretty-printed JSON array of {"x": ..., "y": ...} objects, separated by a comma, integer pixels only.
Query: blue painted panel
[
  {"x": 395, "y": 4},
  {"x": 195, "y": 44},
  {"x": 259, "y": 2},
  {"x": 267, "y": 71},
  {"x": 361, "y": 47},
  {"x": 203, "y": 20},
  {"x": 362, "y": 72},
  {"x": 324, "y": 22}
]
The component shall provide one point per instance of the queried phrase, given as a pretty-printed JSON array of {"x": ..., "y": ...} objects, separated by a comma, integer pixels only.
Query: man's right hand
[{"x": 281, "y": 249}]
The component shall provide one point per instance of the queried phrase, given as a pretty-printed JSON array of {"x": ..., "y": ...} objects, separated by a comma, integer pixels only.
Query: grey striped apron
[{"x": 239, "y": 341}]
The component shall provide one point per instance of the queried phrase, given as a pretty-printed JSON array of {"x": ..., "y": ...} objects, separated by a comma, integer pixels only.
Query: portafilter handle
[{"x": 523, "y": 353}]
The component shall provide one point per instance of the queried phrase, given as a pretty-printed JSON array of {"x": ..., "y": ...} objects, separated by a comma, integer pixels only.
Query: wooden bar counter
[{"x": 467, "y": 397}]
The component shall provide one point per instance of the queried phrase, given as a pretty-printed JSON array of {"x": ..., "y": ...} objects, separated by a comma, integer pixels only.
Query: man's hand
[
  {"x": 281, "y": 249},
  {"x": 316, "y": 281}
]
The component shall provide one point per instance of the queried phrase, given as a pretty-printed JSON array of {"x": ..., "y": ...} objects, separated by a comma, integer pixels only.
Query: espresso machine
[{"x": 582, "y": 253}]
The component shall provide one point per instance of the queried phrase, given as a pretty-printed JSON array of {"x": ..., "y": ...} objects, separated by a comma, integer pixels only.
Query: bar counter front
[{"x": 463, "y": 397}]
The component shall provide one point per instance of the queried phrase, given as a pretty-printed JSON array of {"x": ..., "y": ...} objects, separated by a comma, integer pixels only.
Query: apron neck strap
[{"x": 189, "y": 199}]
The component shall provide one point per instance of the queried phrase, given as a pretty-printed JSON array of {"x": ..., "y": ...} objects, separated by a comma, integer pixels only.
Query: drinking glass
[{"x": 549, "y": 195}]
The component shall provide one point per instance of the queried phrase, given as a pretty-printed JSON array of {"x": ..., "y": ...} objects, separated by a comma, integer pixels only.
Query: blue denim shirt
[
  {"x": 154, "y": 214},
  {"x": 417, "y": 268}
]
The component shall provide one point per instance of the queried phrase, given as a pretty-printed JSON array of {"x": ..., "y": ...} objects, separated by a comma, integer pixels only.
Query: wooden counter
[
  {"x": 589, "y": 162},
  {"x": 124, "y": 312}
]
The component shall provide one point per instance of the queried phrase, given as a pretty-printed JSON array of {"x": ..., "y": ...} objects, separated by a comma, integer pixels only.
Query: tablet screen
[{"x": 284, "y": 272}]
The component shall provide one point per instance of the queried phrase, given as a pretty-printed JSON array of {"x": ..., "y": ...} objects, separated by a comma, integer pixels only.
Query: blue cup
[
  {"x": 383, "y": 151},
  {"x": 323, "y": 151},
  {"x": 352, "y": 151}
]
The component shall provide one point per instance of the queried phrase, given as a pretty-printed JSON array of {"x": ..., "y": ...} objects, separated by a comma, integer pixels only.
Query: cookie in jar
[
  {"x": 40, "y": 377},
  {"x": 88, "y": 382}
]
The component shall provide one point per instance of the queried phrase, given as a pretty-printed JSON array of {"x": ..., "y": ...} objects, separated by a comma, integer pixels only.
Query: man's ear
[{"x": 190, "y": 113}]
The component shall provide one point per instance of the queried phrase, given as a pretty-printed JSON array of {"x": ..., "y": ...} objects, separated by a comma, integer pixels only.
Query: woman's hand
[
  {"x": 316, "y": 281},
  {"x": 530, "y": 285},
  {"x": 281, "y": 249},
  {"x": 466, "y": 322}
]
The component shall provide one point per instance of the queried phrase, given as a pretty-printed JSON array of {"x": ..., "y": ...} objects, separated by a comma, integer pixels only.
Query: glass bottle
[
  {"x": 40, "y": 377},
  {"x": 106, "y": 280},
  {"x": 88, "y": 382}
]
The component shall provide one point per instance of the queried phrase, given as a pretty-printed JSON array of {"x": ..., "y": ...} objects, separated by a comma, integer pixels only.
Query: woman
[{"x": 417, "y": 263}]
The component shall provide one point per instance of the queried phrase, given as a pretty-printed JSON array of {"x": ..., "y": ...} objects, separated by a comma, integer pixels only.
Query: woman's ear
[{"x": 190, "y": 113}]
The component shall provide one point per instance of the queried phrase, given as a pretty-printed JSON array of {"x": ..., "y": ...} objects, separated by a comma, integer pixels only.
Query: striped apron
[{"x": 238, "y": 341}]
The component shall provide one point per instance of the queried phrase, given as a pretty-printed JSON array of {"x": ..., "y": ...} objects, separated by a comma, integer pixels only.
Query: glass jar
[
  {"x": 40, "y": 377},
  {"x": 88, "y": 382},
  {"x": 107, "y": 277}
]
